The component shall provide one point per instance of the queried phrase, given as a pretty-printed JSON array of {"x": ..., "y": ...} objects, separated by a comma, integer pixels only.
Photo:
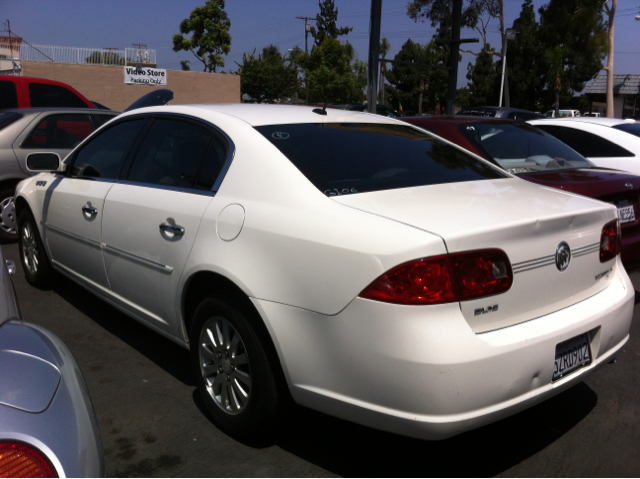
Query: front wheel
[
  {"x": 37, "y": 269},
  {"x": 233, "y": 373},
  {"x": 7, "y": 216}
]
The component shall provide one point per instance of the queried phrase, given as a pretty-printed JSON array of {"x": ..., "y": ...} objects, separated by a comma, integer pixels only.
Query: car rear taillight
[
  {"x": 18, "y": 459},
  {"x": 444, "y": 279},
  {"x": 610, "y": 241}
]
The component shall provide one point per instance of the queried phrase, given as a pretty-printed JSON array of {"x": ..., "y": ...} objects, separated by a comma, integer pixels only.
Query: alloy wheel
[
  {"x": 29, "y": 248},
  {"x": 7, "y": 216}
]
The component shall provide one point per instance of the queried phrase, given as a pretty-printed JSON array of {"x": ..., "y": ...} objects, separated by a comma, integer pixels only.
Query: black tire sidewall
[{"x": 254, "y": 423}]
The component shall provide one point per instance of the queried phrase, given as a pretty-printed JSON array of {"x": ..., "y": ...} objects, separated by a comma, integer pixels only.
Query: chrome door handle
[
  {"x": 175, "y": 229},
  {"x": 90, "y": 210}
]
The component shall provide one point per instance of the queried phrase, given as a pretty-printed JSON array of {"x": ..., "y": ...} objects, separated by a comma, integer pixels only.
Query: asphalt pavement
[{"x": 153, "y": 423}]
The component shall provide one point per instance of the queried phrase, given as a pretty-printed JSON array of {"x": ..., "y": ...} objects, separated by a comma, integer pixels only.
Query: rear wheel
[
  {"x": 37, "y": 269},
  {"x": 7, "y": 216},
  {"x": 232, "y": 371}
]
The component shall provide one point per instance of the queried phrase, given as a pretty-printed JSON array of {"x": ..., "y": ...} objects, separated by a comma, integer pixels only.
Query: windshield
[
  {"x": 7, "y": 118},
  {"x": 520, "y": 148},
  {"x": 347, "y": 158},
  {"x": 633, "y": 128}
]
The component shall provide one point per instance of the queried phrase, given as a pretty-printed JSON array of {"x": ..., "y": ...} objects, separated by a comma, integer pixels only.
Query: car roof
[
  {"x": 263, "y": 114},
  {"x": 33, "y": 111},
  {"x": 586, "y": 119},
  {"x": 457, "y": 119}
]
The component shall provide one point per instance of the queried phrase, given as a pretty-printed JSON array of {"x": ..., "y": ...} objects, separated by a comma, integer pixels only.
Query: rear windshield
[
  {"x": 478, "y": 112},
  {"x": 520, "y": 148},
  {"x": 7, "y": 118},
  {"x": 346, "y": 158},
  {"x": 633, "y": 128}
]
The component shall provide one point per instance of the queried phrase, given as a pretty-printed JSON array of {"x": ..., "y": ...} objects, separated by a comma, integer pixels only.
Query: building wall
[{"x": 105, "y": 84}]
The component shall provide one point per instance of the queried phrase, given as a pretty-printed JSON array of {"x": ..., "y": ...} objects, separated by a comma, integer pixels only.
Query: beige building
[{"x": 105, "y": 83}]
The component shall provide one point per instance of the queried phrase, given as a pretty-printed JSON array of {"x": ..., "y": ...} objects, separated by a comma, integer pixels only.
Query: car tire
[
  {"x": 36, "y": 266},
  {"x": 232, "y": 370},
  {"x": 7, "y": 216}
]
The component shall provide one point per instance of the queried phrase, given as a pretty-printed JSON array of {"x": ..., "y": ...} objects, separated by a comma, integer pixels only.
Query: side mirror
[{"x": 38, "y": 162}]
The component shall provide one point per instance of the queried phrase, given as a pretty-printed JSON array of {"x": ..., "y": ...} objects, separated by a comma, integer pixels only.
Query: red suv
[{"x": 27, "y": 92}]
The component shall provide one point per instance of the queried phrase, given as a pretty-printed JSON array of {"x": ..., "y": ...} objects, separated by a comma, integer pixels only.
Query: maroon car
[{"x": 538, "y": 157}]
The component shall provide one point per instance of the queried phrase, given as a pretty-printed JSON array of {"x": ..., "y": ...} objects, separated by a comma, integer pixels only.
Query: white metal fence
[{"x": 101, "y": 56}]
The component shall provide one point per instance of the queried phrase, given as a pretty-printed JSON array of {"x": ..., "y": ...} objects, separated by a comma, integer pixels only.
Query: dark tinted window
[
  {"x": 171, "y": 153},
  {"x": 212, "y": 165},
  {"x": 633, "y": 128},
  {"x": 8, "y": 95},
  {"x": 519, "y": 148},
  {"x": 523, "y": 115},
  {"x": 478, "y": 112},
  {"x": 43, "y": 94},
  {"x": 585, "y": 143},
  {"x": 104, "y": 155},
  {"x": 99, "y": 120},
  {"x": 7, "y": 118},
  {"x": 343, "y": 158},
  {"x": 59, "y": 131}
]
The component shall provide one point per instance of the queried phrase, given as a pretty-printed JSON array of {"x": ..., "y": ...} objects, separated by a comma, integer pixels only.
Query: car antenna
[{"x": 319, "y": 111}]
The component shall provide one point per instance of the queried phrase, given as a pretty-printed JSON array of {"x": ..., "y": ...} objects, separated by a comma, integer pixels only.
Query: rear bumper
[{"x": 422, "y": 371}]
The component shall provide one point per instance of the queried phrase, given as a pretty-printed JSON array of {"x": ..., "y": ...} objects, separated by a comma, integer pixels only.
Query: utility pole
[
  {"x": 374, "y": 54},
  {"x": 307, "y": 29}
]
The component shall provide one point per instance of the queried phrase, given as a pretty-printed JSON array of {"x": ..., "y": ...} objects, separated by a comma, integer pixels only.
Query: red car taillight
[
  {"x": 610, "y": 241},
  {"x": 21, "y": 460},
  {"x": 444, "y": 279}
]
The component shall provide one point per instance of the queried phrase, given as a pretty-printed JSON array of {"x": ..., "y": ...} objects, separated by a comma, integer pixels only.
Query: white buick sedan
[{"x": 351, "y": 262}]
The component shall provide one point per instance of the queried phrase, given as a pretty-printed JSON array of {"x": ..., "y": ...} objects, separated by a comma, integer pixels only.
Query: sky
[{"x": 256, "y": 24}]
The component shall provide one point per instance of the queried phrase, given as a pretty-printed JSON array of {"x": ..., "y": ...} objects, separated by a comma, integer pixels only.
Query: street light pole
[
  {"x": 307, "y": 29},
  {"x": 509, "y": 34}
]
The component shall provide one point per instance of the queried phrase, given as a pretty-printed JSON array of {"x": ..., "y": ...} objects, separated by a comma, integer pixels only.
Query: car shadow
[
  {"x": 163, "y": 352},
  {"x": 637, "y": 298},
  {"x": 352, "y": 450}
]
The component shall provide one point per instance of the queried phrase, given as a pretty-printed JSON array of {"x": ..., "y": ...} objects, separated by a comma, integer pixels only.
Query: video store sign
[{"x": 145, "y": 76}]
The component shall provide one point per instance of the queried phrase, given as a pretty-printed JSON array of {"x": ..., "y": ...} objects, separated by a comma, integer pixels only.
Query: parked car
[
  {"x": 380, "y": 109},
  {"x": 537, "y": 156},
  {"x": 606, "y": 142},
  {"x": 366, "y": 268},
  {"x": 29, "y": 92},
  {"x": 47, "y": 424},
  {"x": 29, "y": 130},
  {"x": 562, "y": 113},
  {"x": 594, "y": 114},
  {"x": 499, "y": 112}
]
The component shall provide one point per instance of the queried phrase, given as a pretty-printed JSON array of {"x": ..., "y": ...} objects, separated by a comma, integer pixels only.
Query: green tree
[
  {"x": 184, "y": 64},
  {"x": 105, "y": 58},
  {"x": 483, "y": 79},
  {"x": 210, "y": 37},
  {"x": 573, "y": 37},
  {"x": 332, "y": 73},
  {"x": 415, "y": 85},
  {"x": 326, "y": 23},
  {"x": 267, "y": 77}
]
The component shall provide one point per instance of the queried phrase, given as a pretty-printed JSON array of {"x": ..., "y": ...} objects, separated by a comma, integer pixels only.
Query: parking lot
[{"x": 153, "y": 423}]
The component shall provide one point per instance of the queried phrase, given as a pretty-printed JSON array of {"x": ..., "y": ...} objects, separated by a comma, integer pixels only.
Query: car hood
[{"x": 591, "y": 182}]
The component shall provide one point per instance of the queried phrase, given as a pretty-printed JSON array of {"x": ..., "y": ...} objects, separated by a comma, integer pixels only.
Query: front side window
[
  {"x": 59, "y": 131},
  {"x": 8, "y": 95},
  {"x": 586, "y": 143},
  {"x": 171, "y": 154},
  {"x": 345, "y": 158},
  {"x": 520, "y": 148},
  {"x": 45, "y": 95},
  {"x": 104, "y": 155}
]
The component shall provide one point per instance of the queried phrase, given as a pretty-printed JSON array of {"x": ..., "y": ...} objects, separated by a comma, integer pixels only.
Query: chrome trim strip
[
  {"x": 542, "y": 265},
  {"x": 543, "y": 261},
  {"x": 73, "y": 235},
  {"x": 537, "y": 260},
  {"x": 162, "y": 267}
]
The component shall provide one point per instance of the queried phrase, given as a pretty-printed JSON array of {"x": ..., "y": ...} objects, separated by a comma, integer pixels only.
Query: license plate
[
  {"x": 626, "y": 214},
  {"x": 571, "y": 355}
]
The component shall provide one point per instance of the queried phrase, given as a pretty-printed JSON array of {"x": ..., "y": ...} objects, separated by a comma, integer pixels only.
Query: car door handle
[
  {"x": 175, "y": 229},
  {"x": 90, "y": 210}
]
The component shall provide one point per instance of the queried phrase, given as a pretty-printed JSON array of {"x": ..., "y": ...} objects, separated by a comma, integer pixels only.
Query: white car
[
  {"x": 355, "y": 263},
  {"x": 606, "y": 142}
]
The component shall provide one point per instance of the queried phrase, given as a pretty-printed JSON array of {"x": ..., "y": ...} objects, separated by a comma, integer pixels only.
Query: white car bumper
[{"x": 422, "y": 371}]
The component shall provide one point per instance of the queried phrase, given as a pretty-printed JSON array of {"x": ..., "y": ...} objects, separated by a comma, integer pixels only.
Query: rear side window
[
  {"x": 45, "y": 95},
  {"x": 585, "y": 143},
  {"x": 7, "y": 118},
  {"x": 633, "y": 128},
  {"x": 104, "y": 155},
  {"x": 171, "y": 154},
  {"x": 345, "y": 158},
  {"x": 59, "y": 131},
  {"x": 8, "y": 95}
]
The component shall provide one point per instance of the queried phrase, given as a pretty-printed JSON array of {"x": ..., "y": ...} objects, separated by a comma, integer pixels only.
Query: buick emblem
[
  {"x": 280, "y": 135},
  {"x": 629, "y": 185},
  {"x": 563, "y": 256}
]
